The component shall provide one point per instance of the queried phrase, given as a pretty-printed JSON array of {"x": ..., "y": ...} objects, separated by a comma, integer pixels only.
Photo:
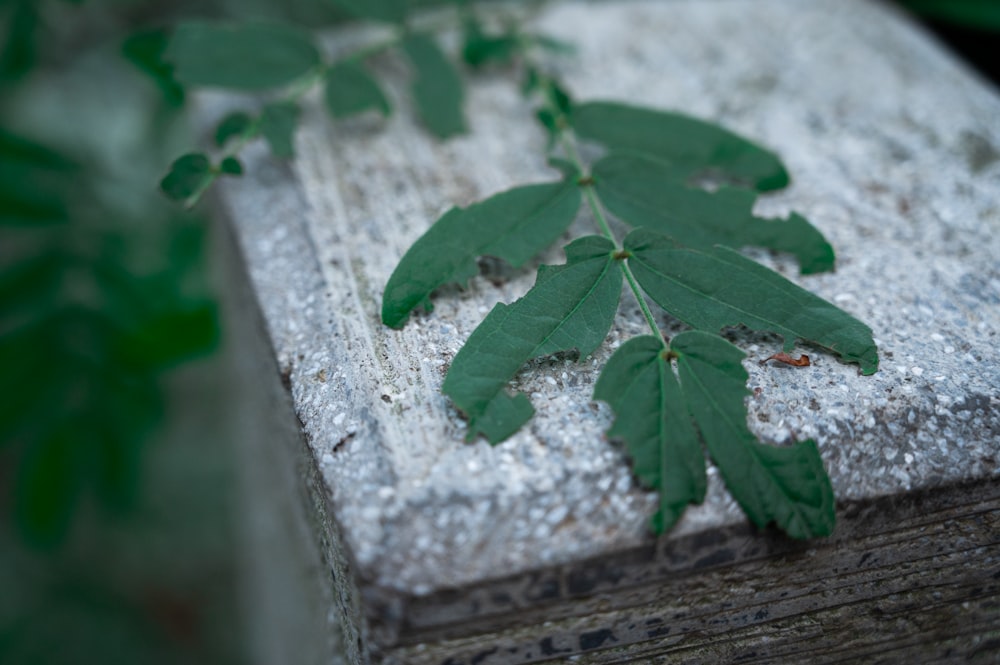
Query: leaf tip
[{"x": 777, "y": 179}]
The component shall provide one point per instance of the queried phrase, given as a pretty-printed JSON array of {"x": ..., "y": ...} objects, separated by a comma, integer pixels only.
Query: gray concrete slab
[{"x": 893, "y": 148}]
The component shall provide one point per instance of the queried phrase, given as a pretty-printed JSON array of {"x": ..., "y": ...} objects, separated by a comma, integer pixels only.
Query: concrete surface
[{"x": 454, "y": 550}]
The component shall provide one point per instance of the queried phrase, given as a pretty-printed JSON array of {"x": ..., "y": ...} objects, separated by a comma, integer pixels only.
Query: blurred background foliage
[
  {"x": 116, "y": 481},
  {"x": 117, "y": 531}
]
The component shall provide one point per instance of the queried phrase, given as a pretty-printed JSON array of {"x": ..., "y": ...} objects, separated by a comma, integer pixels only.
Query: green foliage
[
  {"x": 693, "y": 146},
  {"x": 188, "y": 175},
  {"x": 261, "y": 56},
  {"x": 33, "y": 183},
  {"x": 786, "y": 485},
  {"x": 17, "y": 52},
  {"x": 230, "y": 166},
  {"x": 234, "y": 125},
  {"x": 641, "y": 387},
  {"x": 513, "y": 225},
  {"x": 82, "y": 342},
  {"x": 480, "y": 49},
  {"x": 250, "y": 56},
  {"x": 277, "y": 125},
  {"x": 713, "y": 289},
  {"x": 669, "y": 398},
  {"x": 145, "y": 50},
  {"x": 437, "y": 87},
  {"x": 570, "y": 308},
  {"x": 349, "y": 89},
  {"x": 192, "y": 173},
  {"x": 652, "y": 193},
  {"x": 687, "y": 189},
  {"x": 665, "y": 400}
]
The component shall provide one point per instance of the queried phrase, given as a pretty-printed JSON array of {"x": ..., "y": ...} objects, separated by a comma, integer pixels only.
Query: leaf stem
[
  {"x": 641, "y": 299},
  {"x": 598, "y": 210},
  {"x": 568, "y": 141},
  {"x": 602, "y": 221}
]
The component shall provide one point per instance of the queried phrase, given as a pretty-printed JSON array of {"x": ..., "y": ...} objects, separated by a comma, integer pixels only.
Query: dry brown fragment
[{"x": 801, "y": 361}]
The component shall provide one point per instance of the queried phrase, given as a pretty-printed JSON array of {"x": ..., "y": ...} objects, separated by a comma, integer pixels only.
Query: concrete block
[{"x": 538, "y": 548}]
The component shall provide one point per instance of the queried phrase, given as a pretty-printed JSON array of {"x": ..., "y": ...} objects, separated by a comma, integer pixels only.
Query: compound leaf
[
  {"x": 639, "y": 384},
  {"x": 786, "y": 485},
  {"x": 570, "y": 307},
  {"x": 644, "y": 191},
  {"x": 692, "y": 145},
  {"x": 350, "y": 89},
  {"x": 437, "y": 88},
  {"x": 388, "y": 11},
  {"x": 277, "y": 124},
  {"x": 713, "y": 289},
  {"x": 513, "y": 225},
  {"x": 251, "y": 56}
]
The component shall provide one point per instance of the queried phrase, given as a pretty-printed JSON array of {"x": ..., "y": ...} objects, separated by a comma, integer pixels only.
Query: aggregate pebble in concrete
[{"x": 894, "y": 150}]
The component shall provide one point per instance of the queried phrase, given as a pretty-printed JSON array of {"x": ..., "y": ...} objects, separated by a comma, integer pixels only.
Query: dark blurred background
[{"x": 117, "y": 485}]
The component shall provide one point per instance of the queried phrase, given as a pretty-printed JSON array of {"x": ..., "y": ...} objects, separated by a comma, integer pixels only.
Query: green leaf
[
  {"x": 250, "y": 56},
  {"x": 277, "y": 123},
  {"x": 388, "y": 11},
  {"x": 692, "y": 145},
  {"x": 713, "y": 289},
  {"x": 145, "y": 50},
  {"x": 350, "y": 90},
  {"x": 48, "y": 484},
  {"x": 187, "y": 175},
  {"x": 514, "y": 225},
  {"x": 234, "y": 124},
  {"x": 786, "y": 485},
  {"x": 437, "y": 88},
  {"x": 639, "y": 384},
  {"x": 30, "y": 284},
  {"x": 35, "y": 182},
  {"x": 179, "y": 333},
  {"x": 560, "y": 98},
  {"x": 30, "y": 394},
  {"x": 570, "y": 307},
  {"x": 20, "y": 43},
  {"x": 644, "y": 191},
  {"x": 480, "y": 49},
  {"x": 231, "y": 166}
]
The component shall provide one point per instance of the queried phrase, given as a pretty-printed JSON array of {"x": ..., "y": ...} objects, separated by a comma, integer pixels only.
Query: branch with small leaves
[
  {"x": 269, "y": 57},
  {"x": 683, "y": 188}
]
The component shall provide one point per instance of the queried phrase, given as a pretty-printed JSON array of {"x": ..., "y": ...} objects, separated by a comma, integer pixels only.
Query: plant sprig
[
  {"x": 283, "y": 60},
  {"x": 685, "y": 187},
  {"x": 669, "y": 396}
]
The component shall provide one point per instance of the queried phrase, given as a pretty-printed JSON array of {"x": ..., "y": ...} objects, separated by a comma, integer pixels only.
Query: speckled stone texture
[{"x": 538, "y": 548}]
